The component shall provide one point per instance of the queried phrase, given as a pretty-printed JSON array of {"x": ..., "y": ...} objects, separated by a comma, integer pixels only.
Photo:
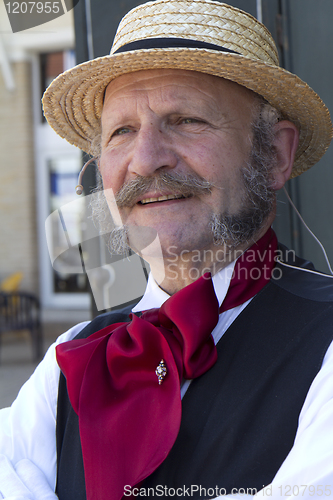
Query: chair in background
[{"x": 20, "y": 311}]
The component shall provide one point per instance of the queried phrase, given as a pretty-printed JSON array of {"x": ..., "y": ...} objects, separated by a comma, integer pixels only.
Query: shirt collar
[{"x": 154, "y": 295}]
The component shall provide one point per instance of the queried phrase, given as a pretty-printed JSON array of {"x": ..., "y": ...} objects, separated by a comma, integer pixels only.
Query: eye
[
  {"x": 121, "y": 131},
  {"x": 190, "y": 120}
]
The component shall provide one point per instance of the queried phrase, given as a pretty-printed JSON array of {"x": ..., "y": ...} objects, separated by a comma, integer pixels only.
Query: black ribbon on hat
[{"x": 165, "y": 43}]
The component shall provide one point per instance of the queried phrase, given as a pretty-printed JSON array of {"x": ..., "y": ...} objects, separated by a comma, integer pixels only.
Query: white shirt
[{"x": 27, "y": 429}]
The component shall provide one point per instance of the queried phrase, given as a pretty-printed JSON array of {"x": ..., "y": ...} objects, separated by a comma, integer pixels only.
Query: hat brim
[{"x": 73, "y": 102}]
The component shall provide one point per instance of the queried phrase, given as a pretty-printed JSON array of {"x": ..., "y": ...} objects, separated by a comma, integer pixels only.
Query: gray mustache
[{"x": 185, "y": 185}]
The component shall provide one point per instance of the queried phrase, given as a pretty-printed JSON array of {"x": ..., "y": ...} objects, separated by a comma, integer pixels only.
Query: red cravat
[
  {"x": 128, "y": 419},
  {"x": 252, "y": 271}
]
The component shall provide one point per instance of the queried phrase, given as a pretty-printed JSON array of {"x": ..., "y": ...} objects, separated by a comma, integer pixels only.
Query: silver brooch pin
[{"x": 161, "y": 371}]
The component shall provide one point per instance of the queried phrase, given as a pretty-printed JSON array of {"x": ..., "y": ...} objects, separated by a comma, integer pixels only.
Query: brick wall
[{"x": 18, "y": 233}]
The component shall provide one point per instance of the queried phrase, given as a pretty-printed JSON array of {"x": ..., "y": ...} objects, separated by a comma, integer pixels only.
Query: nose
[{"x": 152, "y": 151}]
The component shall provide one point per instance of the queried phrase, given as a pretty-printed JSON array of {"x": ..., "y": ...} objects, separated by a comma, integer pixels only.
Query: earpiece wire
[{"x": 316, "y": 239}]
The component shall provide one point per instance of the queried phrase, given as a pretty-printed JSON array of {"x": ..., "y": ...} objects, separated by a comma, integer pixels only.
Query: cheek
[
  {"x": 214, "y": 158},
  {"x": 113, "y": 174},
  {"x": 203, "y": 158},
  {"x": 210, "y": 161}
]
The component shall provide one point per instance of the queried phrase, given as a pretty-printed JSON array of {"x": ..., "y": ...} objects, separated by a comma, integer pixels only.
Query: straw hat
[{"x": 200, "y": 35}]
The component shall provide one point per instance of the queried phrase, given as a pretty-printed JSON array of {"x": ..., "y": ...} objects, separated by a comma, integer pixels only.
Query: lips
[{"x": 166, "y": 197}]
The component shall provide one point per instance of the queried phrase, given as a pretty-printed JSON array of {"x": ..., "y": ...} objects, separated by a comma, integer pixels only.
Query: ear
[{"x": 285, "y": 143}]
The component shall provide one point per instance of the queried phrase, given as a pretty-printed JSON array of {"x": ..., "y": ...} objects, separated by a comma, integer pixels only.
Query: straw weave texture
[
  {"x": 218, "y": 24},
  {"x": 73, "y": 102}
]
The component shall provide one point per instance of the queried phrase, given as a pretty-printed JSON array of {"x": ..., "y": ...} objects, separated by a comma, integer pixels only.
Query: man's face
[{"x": 177, "y": 122}]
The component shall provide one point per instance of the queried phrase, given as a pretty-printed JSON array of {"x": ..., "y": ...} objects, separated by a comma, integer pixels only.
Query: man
[{"x": 197, "y": 130}]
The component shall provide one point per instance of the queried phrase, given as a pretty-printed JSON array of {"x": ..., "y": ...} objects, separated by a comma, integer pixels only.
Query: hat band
[{"x": 165, "y": 43}]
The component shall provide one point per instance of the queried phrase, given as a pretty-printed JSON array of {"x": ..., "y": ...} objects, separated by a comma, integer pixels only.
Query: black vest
[{"x": 239, "y": 420}]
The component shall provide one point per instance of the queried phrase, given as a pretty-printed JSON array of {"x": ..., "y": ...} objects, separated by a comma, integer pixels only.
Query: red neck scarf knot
[{"x": 128, "y": 420}]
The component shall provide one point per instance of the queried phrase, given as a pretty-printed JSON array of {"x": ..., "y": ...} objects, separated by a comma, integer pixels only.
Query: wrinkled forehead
[{"x": 171, "y": 85}]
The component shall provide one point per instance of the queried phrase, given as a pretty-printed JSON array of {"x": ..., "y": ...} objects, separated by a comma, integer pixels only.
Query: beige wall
[
  {"x": 18, "y": 222},
  {"x": 18, "y": 233}
]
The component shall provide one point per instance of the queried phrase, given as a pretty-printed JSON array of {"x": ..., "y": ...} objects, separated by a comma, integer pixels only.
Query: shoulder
[
  {"x": 299, "y": 277},
  {"x": 106, "y": 319}
]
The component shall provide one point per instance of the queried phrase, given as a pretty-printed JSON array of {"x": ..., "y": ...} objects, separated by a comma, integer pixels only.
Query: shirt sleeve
[
  {"x": 307, "y": 472},
  {"x": 310, "y": 461},
  {"x": 27, "y": 428}
]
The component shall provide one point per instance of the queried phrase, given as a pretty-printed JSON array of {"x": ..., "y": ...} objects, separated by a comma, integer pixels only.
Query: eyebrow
[{"x": 174, "y": 104}]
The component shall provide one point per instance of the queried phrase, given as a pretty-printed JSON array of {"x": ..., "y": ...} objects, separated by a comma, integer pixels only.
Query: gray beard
[{"x": 234, "y": 230}]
